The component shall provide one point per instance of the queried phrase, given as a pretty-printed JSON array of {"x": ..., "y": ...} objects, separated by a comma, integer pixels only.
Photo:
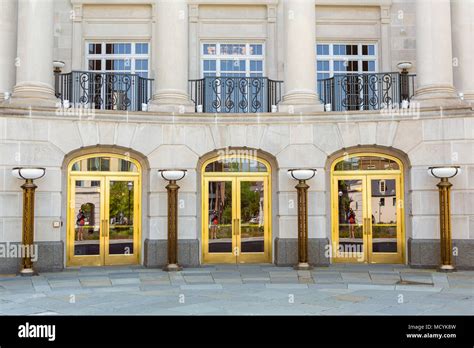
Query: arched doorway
[
  {"x": 367, "y": 209},
  {"x": 236, "y": 210},
  {"x": 103, "y": 215}
]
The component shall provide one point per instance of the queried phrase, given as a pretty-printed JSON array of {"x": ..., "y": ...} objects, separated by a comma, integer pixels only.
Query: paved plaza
[{"x": 246, "y": 290}]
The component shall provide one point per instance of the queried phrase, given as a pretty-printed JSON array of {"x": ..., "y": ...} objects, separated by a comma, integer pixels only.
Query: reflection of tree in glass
[
  {"x": 226, "y": 215},
  {"x": 250, "y": 201},
  {"x": 344, "y": 200},
  {"x": 120, "y": 207}
]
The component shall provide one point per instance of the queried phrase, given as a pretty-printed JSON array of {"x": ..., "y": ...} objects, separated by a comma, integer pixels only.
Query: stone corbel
[
  {"x": 193, "y": 13},
  {"x": 271, "y": 13}
]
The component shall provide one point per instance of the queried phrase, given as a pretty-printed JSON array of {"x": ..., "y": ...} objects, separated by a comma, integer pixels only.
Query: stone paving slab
[{"x": 240, "y": 289}]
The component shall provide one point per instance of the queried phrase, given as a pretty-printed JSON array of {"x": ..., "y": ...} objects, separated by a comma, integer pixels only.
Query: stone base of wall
[
  {"x": 286, "y": 251},
  {"x": 156, "y": 251},
  {"x": 425, "y": 253},
  {"x": 50, "y": 259}
]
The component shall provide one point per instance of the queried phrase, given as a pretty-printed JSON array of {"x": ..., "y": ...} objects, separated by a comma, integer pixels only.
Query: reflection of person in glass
[
  {"x": 352, "y": 220},
  {"x": 80, "y": 221},
  {"x": 214, "y": 221}
]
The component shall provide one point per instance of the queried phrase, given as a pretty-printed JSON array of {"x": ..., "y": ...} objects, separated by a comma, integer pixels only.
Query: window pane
[
  {"x": 95, "y": 65},
  {"x": 340, "y": 50},
  {"x": 209, "y": 49},
  {"x": 141, "y": 48},
  {"x": 236, "y": 165},
  {"x": 322, "y": 50},
  {"x": 141, "y": 64},
  {"x": 126, "y": 48},
  {"x": 340, "y": 65},
  {"x": 368, "y": 66},
  {"x": 233, "y": 65},
  {"x": 104, "y": 164},
  {"x": 232, "y": 49},
  {"x": 323, "y": 65},
  {"x": 95, "y": 48},
  {"x": 256, "y": 65},
  {"x": 256, "y": 50},
  {"x": 367, "y": 163}
]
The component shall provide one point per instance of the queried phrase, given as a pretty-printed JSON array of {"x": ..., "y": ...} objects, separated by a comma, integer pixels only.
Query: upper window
[
  {"x": 336, "y": 58},
  {"x": 104, "y": 164},
  {"x": 236, "y": 164},
  {"x": 232, "y": 59},
  {"x": 121, "y": 57},
  {"x": 366, "y": 163}
]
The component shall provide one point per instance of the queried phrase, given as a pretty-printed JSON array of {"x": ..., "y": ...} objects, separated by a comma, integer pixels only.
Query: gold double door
[
  {"x": 236, "y": 219},
  {"x": 367, "y": 218},
  {"x": 104, "y": 220}
]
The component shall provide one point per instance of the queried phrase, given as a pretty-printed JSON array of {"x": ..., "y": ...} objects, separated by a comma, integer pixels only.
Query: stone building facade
[{"x": 293, "y": 41}]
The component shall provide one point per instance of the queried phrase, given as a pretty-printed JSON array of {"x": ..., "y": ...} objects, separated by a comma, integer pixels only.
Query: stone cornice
[{"x": 232, "y": 118}]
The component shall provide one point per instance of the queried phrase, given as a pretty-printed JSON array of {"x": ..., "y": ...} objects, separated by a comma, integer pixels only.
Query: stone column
[
  {"x": 34, "y": 75},
  {"x": 462, "y": 21},
  {"x": 8, "y": 27},
  {"x": 434, "y": 66},
  {"x": 300, "y": 57},
  {"x": 171, "y": 57}
]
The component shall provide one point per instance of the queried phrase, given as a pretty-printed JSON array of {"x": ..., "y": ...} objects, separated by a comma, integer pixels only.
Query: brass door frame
[
  {"x": 84, "y": 260},
  {"x": 236, "y": 178},
  {"x": 122, "y": 259},
  {"x": 347, "y": 256},
  {"x": 229, "y": 257},
  {"x": 235, "y": 256},
  {"x": 253, "y": 257},
  {"x": 379, "y": 257},
  {"x": 104, "y": 177},
  {"x": 367, "y": 176}
]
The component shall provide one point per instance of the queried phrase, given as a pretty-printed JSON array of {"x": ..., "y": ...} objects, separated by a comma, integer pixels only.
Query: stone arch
[
  {"x": 380, "y": 150},
  {"x": 112, "y": 150},
  {"x": 241, "y": 150}
]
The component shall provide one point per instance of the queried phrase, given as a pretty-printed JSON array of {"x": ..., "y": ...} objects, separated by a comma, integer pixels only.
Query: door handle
[
  {"x": 236, "y": 227},
  {"x": 105, "y": 232},
  {"x": 367, "y": 226}
]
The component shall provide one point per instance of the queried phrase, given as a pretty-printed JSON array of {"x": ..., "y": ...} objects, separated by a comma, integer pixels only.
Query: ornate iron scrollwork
[
  {"x": 106, "y": 91},
  {"x": 354, "y": 91}
]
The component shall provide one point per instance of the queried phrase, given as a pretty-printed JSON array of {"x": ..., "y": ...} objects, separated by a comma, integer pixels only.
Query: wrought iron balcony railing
[
  {"x": 235, "y": 94},
  {"x": 104, "y": 91},
  {"x": 344, "y": 92}
]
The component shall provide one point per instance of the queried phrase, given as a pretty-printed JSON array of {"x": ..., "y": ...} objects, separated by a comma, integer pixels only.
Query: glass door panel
[
  {"x": 86, "y": 203},
  {"x": 350, "y": 213},
  {"x": 121, "y": 234},
  {"x": 252, "y": 220},
  {"x": 252, "y": 217},
  {"x": 385, "y": 231},
  {"x": 236, "y": 224},
  {"x": 219, "y": 214}
]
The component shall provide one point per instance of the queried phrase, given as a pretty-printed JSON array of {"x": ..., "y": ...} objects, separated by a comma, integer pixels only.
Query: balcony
[
  {"x": 346, "y": 92},
  {"x": 131, "y": 92},
  {"x": 235, "y": 94},
  {"x": 103, "y": 91}
]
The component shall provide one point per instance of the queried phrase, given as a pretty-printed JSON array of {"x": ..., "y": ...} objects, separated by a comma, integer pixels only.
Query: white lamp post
[
  {"x": 302, "y": 174},
  {"x": 172, "y": 175},
  {"x": 28, "y": 174},
  {"x": 444, "y": 187}
]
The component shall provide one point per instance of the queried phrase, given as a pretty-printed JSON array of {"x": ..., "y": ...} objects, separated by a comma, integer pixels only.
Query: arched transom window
[
  {"x": 236, "y": 165},
  {"x": 104, "y": 164},
  {"x": 366, "y": 162}
]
